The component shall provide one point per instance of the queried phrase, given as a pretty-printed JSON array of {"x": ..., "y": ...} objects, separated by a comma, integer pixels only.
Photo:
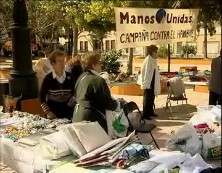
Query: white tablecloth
[{"x": 23, "y": 160}]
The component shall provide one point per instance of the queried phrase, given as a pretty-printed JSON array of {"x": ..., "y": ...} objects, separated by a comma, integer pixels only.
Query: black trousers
[
  {"x": 148, "y": 102},
  {"x": 214, "y": 98},
  {"x": 148, "y": 99}
]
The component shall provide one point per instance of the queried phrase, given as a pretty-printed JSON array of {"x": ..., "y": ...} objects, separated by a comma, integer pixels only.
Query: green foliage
[
  {"x": 209, "y": 13},
  {"x": 163, "y": 51},
  {"x": 110, "y": 61},
  {"x": 5, "y": 16},
  {"x": 189, "y": 49},
  {"x": 45, "y": 17}
]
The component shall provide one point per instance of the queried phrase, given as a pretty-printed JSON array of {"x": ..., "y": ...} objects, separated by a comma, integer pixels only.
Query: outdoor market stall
[
  {"x": 20, "y": 133},
  {"x": 15, "y": 146}
]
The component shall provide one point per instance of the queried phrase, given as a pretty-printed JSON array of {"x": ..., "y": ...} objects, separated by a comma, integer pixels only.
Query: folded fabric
[
  {"x": 134, "y": 149},
  {"x": 72, "y": 140},
  {"x": 91, "y": 135},
  {"x": 143, "y": 167},
  {"x": 83, "y": 137},
  {"x": 108, "y": 153},
  {"x": 52, "y": 147},
  {"x": 34, "y": 139},
  {"x": 103, "y": 148}
]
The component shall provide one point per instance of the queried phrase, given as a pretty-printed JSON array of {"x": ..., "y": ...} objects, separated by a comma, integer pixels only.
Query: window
[
  {"x": 86, "y": 46},
  {"x": 113, "y": 45},
  {"x": 213, "y": 47},
  {"x": 96, "y": 45},
  {"x": 81, "y": 46},
  {"x": 179, "y": 47},
  {"x": 107, "y": 45}
]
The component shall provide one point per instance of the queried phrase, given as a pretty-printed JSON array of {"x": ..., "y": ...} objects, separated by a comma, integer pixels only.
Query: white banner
[{"x": 138, "y": 27}]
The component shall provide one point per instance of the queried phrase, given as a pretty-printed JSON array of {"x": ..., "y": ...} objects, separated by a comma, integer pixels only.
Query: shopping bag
[
  {"x": 117, "y": 123},
  {"x": 211, "y": 146},
  {"x": 185, "y": 139}
]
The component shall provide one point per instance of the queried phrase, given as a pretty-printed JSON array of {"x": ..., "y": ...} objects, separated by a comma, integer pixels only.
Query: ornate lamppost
[{"x": 22, "y": 79}]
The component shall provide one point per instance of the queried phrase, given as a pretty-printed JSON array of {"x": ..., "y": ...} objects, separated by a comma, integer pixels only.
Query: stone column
[{"x": 22, "y": 79}]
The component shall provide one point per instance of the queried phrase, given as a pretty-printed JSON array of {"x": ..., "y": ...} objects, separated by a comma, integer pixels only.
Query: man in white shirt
[
  {"x": 149, "y": 81},
  {"x": 43, "y": 67}
]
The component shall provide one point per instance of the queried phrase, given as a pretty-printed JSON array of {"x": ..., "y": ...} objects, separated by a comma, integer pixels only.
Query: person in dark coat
[
  {"x": 215, "y": 81},
  {"x": 92, "y": 93}
]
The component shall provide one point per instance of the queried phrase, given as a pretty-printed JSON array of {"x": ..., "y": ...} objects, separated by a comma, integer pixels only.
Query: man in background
[
  {"x": 43, "y": 66},
  {"x": 215, "y": 81}
]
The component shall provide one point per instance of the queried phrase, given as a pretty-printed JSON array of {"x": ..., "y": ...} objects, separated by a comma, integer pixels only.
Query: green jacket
[{"x": 93, "y": 98}]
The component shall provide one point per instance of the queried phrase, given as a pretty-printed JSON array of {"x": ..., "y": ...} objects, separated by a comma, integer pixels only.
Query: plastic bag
[
  {"x": 185, "y": 139},
  {"x": 193, "y": 164},
  {"x": 117, "y": 124},
  {"x": 210, "y": 112},
  {"x": 211, "y": 146}
]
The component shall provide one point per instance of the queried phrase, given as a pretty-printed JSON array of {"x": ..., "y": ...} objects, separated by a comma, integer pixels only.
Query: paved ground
[{"x": 165, "y": 123}]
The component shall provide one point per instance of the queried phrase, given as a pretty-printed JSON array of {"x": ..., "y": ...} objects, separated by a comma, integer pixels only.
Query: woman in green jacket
[{"x": 92, "y": 93}]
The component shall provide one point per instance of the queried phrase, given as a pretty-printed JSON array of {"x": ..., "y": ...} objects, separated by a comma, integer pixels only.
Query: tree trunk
[
  {"x": 75, "y": 41},
  {"x": 69, "y": 41},
  {"x": 205, "y": 37},
  {"x": 146, "y": 51},
  {"x": 102, "y": 45},
  {"x": 130, "y": 61},
  {"x": 220, "y": 30},
  {"x": 40, "y": 42}
]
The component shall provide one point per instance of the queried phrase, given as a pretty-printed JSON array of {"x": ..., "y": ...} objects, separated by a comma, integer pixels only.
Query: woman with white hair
[{"x": 149, "y": 80}]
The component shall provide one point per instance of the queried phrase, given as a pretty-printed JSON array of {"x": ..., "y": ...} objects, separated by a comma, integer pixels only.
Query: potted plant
[
  {"x": 110, "y": 63},
  {"x": 189, "y": 49}
]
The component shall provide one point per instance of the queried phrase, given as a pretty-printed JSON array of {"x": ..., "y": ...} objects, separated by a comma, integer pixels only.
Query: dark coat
[
  {"x": 76, "y": 71},
  {"x": 93, "y": 97},
  {"x": 215, "y": 81}
]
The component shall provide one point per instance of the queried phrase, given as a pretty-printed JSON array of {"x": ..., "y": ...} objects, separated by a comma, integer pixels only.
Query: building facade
[{"x": 85, "y": 44}]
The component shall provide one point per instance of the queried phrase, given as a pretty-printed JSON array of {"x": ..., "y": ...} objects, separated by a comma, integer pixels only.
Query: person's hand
[
  {"x": 122, "y": 102},
  {"x": 72, "y": 102},
  {"x": 51, "y": 115}
]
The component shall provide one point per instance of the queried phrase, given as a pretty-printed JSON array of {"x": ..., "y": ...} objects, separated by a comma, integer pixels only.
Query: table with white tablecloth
[{"x": 23, "y": 160}]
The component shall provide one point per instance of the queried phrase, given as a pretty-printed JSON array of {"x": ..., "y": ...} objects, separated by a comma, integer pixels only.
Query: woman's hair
[
  {"x": 151, "y": 49},
  {"x": 76, "y": 60},
  {"x": 89, "y": 59},
  {"x": 48, "y": 50},
  {"x": 54, "y": 54}
]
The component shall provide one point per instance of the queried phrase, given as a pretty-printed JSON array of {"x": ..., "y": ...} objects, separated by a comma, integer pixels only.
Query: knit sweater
[{"x": 54, "y": 96}]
